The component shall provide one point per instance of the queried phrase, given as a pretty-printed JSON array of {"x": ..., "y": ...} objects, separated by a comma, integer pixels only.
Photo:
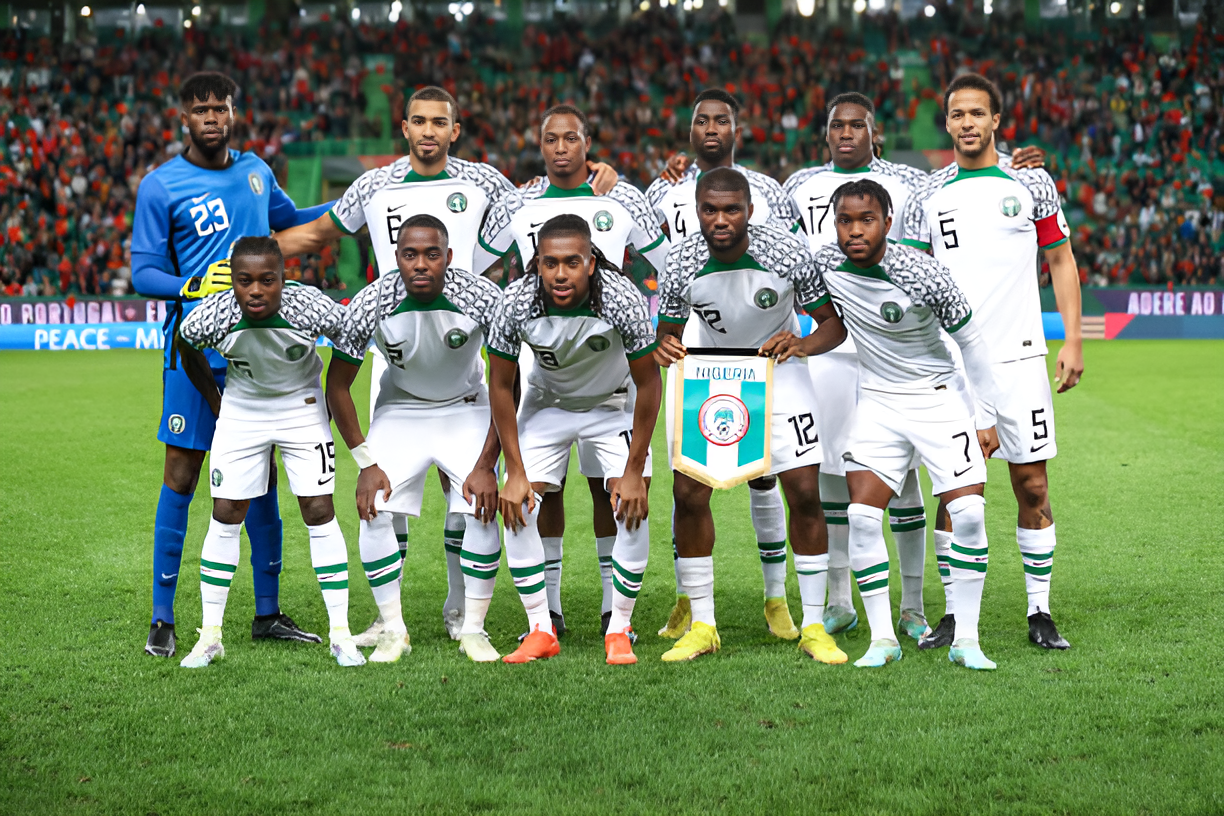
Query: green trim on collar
[
  {"x": 984, "y": 172},
  {"x": 414, "y": 176},
  {"x": 876, "y": 271},
  {"x": 746, "y": 261},
  {"x": 865, "y": 169},
  {"x": 490, "y": 249},
  {"x": 582, "y": 310},
  {"x": 909, "y": 242},
  {"x": 339, "y": 224},
  {"x": 273, "y": 322},
  {"x": 960, "y": 324},
  {"x": 438, "y": 304},
  {"x": 653, "y": 244},
  {"x": 554, "y": 191}
]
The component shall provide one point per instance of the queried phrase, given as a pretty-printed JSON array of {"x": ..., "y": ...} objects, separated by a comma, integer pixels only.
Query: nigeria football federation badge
[
  {"x": 603, "y": 220},
  {"x": 295, "y": 352},
  {"x": 456, "y": 202},
  {"x": 176, "y": 423},
  {"x": 721, "y": 410},
  {"x": 891, "y": 312},
  {"x": 598, "y": 343},
  {"x": 765, "y": 298},
  {"x": 455, "y": 338},
  {"x": 256, "y": 183},
  {"x": 1010, "y": 206},
  {"x": 216, "y": 477}
]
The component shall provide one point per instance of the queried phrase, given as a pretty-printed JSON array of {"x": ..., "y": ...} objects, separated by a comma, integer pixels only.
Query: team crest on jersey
[
  {"x": 217, "y": 478},
  {"x": 455, "y": 338},
  {"x": 598, "y": 343},
  {"x": 295, "y": 352},
  {"x": 765, "y": 298},
  {"x": 723, "y": 419},
  {"x": 456, "y": 202},
  {"x": 891, "y": 312},
  {"x": 603, "y": 220},
  {"x": 256, "y": 183},
  {"x": 176, "y": 423},
  {"x": 1010, "y": 206}
]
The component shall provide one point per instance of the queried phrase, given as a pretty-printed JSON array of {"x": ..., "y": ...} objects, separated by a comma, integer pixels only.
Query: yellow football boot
[
  {"x": 778, "y": 618},
  {"x": 817, "y": 644},
  {"x": 679, "y": 620},
  {"x": 701, "y": 639}
]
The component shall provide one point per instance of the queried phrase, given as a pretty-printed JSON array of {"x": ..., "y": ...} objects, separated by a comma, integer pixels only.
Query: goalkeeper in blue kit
[{"x": 189, "y": 213}]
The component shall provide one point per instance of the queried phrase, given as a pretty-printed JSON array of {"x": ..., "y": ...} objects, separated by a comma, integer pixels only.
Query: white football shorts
[
  {"x": 1026, "y": 412},
  {"x": 240, "y": 458},
  {"x": 835, "y": 378},
  {"x": 602, "y": 435},
  {"x": 407, "y": 441},
  {"x": 894, "y": 433}
]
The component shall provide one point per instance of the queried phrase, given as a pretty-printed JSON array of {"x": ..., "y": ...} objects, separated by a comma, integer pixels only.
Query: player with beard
[
  {"x": 189, "y": 213},
  {"x": 986, "y": 222},
  {"x": 427, "y": 181},
  {"x": 714, "y": 133}
]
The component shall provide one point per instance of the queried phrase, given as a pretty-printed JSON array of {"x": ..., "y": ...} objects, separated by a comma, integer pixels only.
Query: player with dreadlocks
[{"x": 590, "y": 333}]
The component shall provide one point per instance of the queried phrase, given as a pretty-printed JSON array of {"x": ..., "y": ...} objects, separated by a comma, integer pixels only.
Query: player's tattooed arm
[
  {"x": 372, "y": 479},
  {"x": 1064, "y": 275},
  {"x": 501, "y": 400},
  {"x": 630, "y": 493},
  {"x": 195, "y": 366},
  {"x": 480, "y": 487},
  {"x": 670, "y": 349}
]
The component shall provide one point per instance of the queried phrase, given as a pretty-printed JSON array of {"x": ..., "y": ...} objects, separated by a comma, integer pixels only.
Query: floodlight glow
[
  {"x": 186, "y": 24},
  {"x": 806, "y": 7},
  {"x": 86, "y": 11},
  {"x": 195, "y": 11},
  {"x": 140, "y": 9},
  {"x": 356, "y": 14},
  {"x": 929, "y": 11}
]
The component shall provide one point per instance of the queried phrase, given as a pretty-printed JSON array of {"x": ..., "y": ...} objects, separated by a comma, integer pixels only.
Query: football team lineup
[{"x": 926, "y": 349}]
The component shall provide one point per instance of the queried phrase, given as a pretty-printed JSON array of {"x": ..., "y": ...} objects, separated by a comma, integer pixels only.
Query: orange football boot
[
  {"x": 538, "y": 645},
  {"x": 620, "y": 650}
]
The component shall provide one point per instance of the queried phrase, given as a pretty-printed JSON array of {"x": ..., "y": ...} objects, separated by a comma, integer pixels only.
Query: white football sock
[
  {"x": 452, "y": 543},
  {"x": 1037, "y": 551},
  {"x": 554, "y": 548},
  {"x": 907, "y": 519},
  {"x": 603, "y": 549},
  {"x": 869, "y": 560},
  {"x": 813, "y": 573},
  {"x": 697, "y": 578},
  {"x": 525, "y": 556},
  {"x": 769, "y": 522},
  {"x": 943, "y": 551},
  {"x": 218, "y": 561},
  {"x": 834, "y": 499},
  {"x": 329, "y": 557},
  {"x": 480, "y": 558},
  {"x": 380, "y": 558},
  {"x": 629, "y": 556},
  {"x": 968, "y": 562}
]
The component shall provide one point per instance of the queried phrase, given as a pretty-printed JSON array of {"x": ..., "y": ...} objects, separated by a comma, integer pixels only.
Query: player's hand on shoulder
[
  {"x": 217, "y": 278},
  {"x": 605, "y": 177},
  {"x": 1030, "y": 157},
  {"x": 669, "y": 350},
  {"x": 510, "y": 500},
  {"x": 1069, "y": 367},
  {"x": 988, "y": 439},
  {"x": 630, "y": 501},
  {"x": 782, "y": 346},
  {"x": 677, "y": 163},
  {"x": 480, "y": 491},
  {"x": 370, "y": 481}
]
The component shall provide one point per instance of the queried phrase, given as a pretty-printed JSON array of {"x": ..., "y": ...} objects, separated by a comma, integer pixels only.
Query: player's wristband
[{"x": 363, "y": 457}]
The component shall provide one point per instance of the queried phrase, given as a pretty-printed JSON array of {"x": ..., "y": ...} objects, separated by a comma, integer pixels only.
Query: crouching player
[
  {"x": 744, "y": 283},
  {"x": 266, "y": 330},
  {"x": 428, "y": 322},
  {"x": 589, "y": 330},
  {"x": 911, "y": 409}
]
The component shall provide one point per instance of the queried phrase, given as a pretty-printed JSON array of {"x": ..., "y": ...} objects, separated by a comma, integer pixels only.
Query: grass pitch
[{"x": 1128, "y": 721}]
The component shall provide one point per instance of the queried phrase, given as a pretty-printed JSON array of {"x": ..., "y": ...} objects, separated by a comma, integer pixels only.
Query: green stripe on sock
[
  {"x": 526, "y": 572},
  {"x": 619, "y": 587},
  {"x": 370, "y": 566},
  {"x": 1036, "y": 556},
  {"x": 332, "y": 568},
  {"x": 401, "y": 538},
  {"x": 845, "y": 522},
  {"x": 479, "y": 572},
  {"x": 835, "y": 506},
  {"x": 872, "y": 570},
  {"x": 334, "y": 584},
  {"x": 481, "y": 558},
  {"x": 605, "y": 559},
  {"x": 219, "y": 567},
  {"x": 773, "y": 559},
  {"x": 1038, "y": 570},
  {"x": 898, "y": 512},
  {"x": 221, "y": 582},
  {"x": 873, "y": 585},
  {"x": 629, "y": 575},
  {"x": 771, "y": 545},
  {"x": 452, "y": 548},
  {"x": 905, "y": 527},
  {"x": 384, "y": 579},
  {"x": 527, "y": 590},
  {"x": 973, "y": 552},
  {"x": 452, "y": 533},
  {"x": 967, "y": 565}
]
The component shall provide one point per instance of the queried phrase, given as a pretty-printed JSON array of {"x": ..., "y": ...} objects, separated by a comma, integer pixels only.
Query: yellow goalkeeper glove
[{"x": 216, "y": 279}]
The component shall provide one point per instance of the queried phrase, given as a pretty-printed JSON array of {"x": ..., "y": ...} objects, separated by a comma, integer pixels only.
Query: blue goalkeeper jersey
[{"x": 188, "y": 217}]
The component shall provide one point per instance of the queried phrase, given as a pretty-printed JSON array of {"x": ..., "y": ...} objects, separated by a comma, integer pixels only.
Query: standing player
[
  {"x": 617, "y": 220},
  {"x": 266, "y": 330},
  {"x": 426, "y": 181},
  {"x": 428, "y": 322},
  {"x": 986, "y": 222},
  {"x": 589, "y": 329},
  {"x": 713, "y": 135},
  {"x": 910, "y": 408},
  {"x": 189, "y": 212},
  {"x": 745, "y": 284},
  {"x": 850, "y": 136}
]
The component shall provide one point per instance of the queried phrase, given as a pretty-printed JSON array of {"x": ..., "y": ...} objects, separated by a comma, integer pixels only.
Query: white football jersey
[
  {"x": 676, "y": 204},
  {"x": 432, "y": 349},
  {"x": 744, "y": 303},
  {"x": 617, "y": 220},
  {"x": 812, "y": 191},
  {"x": 272, "y": 363},
  {"x": 894, "y": 311},
  {"x": 581, "y": 357},
  {"x": 385, "y": 197},
  {"x": 986, "y": 226}
]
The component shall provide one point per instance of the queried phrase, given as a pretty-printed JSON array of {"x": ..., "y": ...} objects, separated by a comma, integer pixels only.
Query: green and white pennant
[{"x": 722, "y": 409}]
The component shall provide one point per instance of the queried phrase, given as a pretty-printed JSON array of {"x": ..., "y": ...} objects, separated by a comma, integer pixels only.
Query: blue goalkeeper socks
[
  {"x": 169, "y": 530},
  {"x": 264, "y": 529}
]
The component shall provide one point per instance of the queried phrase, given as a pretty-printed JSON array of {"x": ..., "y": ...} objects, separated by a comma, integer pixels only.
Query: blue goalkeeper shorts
[{"x": 186, "y": 421}]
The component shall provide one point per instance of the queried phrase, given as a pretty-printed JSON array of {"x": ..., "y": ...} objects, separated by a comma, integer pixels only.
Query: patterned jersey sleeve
[
  {"x": 1052, "y": 229},
  {"x": 929, "y": 283},
  {"x": 654, "y": 197},
  {"x": 349, "y": 212},
  {"x": 361, "y": 318},
  {"x": 626, "y": 309},
  {"x": 504, "y": 337},
  {"x": 674, "y": 305},
  {"x": 777, "y": 249},
  {"x": 475, "y": 295},
  {"x": 495, "y": 234},
  {"x": 485, "y": 176},
  {"x": 783, "y": 212},
  {"x": 646, "y": 233},
  {"x": 917, "y": 233},
  {"x": 310, "y": 310},
  {"x": 207, "y": 324}
]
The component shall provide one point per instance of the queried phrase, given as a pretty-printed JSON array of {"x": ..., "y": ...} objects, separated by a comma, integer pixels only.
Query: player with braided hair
[{"x": 590, "y": 334}]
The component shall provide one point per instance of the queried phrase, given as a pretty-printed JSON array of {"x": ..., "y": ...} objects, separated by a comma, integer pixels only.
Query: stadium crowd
[{"x": 1133, "y": 132}]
